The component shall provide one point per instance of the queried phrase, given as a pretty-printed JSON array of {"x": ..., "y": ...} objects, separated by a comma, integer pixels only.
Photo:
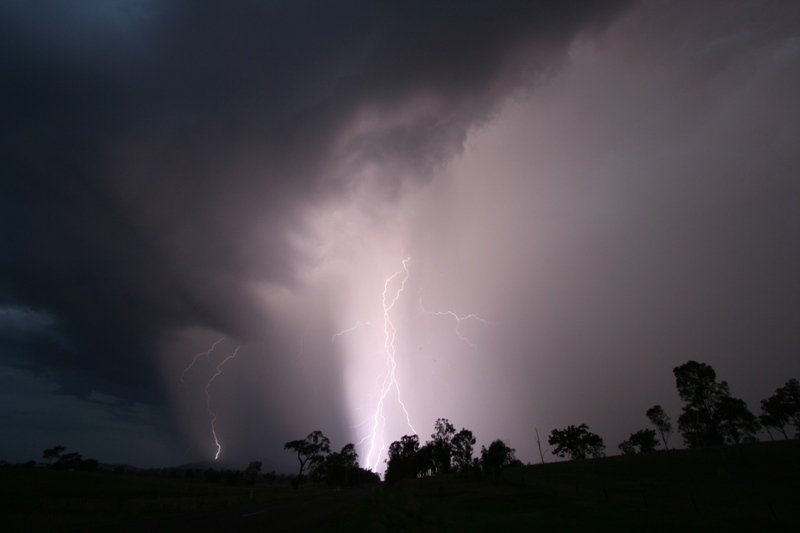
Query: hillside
[{"x": 754, "y": 488}]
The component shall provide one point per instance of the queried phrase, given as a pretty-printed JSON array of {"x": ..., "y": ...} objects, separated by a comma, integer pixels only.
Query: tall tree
[
  {"x": 782, "y": 408},
  {"x": 402, "y": 460},
  {"x": 423, "y": 462},
  {"x": 497, "y": 457},
  {"x": 463, "y": 443},
  {"x": 310, "y": 451},
  {"x": 339, "y": 467},
  {"x": 772, "y": 416},
  {"x": 441, "y": 445},
  {"x": 736, "y": 423},
  {"x": 697, "y": 386},
  {"x": 662, "y": 422},
  {"x": 252, "y": 472},
  {"x": 576, "y": 442},
  {"x": 539, "y": 445}
]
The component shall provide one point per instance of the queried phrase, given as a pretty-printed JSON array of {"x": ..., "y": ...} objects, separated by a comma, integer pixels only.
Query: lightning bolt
[
  {"x": 375, "y": 437},
  {"x": 196, "y": 357},
  {"x": 348, "y": 330},
  {"x": 217, "y": 372},
  {"x": 458, "y": 320},
  {"x": 373, "y": 444}
]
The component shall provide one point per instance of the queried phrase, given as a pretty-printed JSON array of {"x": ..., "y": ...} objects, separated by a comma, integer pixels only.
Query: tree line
[
  {"x": 710, "y": 416},
  {"x": 448, "y": 451},
  {"x": 319, "y": 463},
  {"x": 69, "y": 461}
]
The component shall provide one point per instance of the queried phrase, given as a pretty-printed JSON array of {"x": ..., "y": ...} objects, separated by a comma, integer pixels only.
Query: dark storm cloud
[{"x": 154, "y": 154}]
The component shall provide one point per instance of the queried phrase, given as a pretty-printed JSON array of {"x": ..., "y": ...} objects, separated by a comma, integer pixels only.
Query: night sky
[{"x": 518, "y": 215}]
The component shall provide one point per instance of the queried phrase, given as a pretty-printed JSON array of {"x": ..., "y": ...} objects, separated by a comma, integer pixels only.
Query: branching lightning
[
  {"x": 376, "y": 434},
  {"x": 217, "y": 372},
  {"x": 374, "y": 443},
  {"x": 208, "y": 400},
  {"x": 458, "y": 319},
  {"x": 207, "y": 353},
  {"x": 348, "y": 330}
]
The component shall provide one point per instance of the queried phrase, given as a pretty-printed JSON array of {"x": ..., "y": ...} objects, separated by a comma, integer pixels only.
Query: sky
[{"x": 224, "y": 225}]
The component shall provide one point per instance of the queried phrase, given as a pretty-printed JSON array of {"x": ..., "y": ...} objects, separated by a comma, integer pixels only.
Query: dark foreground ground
[
  {"x": 305, "y": 514},
  {"x": 753, "y": 488},
  {"x": 47, "y": 500}
]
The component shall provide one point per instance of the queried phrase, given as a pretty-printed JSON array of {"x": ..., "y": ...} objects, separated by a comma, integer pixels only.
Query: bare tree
[
  {"x": 539, "y": 445},
  {"x": 662, "y": 422}
]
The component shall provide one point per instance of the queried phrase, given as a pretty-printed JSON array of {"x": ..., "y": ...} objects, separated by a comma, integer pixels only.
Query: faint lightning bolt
[
  {"x": 458, "y": 320},
  {"x": 375, "y": 437},
  {"x": 196, "y": 357},
  {"x": 348, "y": 330},
  {"x": 208, "y": 400}
]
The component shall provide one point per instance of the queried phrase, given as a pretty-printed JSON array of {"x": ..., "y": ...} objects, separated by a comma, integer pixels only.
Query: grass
[
  {"x": 755, "y": 488},
  {"x": 48, "y": 500}
]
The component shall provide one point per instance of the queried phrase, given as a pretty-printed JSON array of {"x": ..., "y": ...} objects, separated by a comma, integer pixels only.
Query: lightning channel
[
  {"x": 375, "y": 438},
  {"x": 458, "y": 319},
  {"x": 207, "y": 353},
  {"x": 217, "y": 372},
  {"x": 348, "y": 330}
]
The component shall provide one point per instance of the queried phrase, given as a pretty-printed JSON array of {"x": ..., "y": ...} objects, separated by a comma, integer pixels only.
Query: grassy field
[
  {"x": 49, "y": 500},
  {"x": 756, "y": 488}
]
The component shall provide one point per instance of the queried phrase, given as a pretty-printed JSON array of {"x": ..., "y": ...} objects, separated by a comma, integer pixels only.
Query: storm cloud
[{"x": 612, "y": 185}]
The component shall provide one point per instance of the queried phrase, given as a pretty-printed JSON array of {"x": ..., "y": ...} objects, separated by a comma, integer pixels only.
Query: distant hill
[{"x": 222, "y": 464}]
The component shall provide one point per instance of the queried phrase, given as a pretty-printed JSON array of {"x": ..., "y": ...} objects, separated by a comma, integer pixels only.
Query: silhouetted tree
[
  {"x": 539, "y": 445},
  {"x": 627, "y": 448},
  {"x": 441, "y": 445},
  {"x": 697, "y": 386},
  {"x": 735, "y": 421},
  {"x": 402, "y": 461},
  {"x": 75, "y": 461},
  {"x": 423, "y": 461},
  {"x": 69, "y": 461},
  {"x": 252, "y": 472},
  {"x": 576, "y": 442},
  {"x": 782, "y": 408},
  {"x": 339, "y": 467},
  {"x": 662, "y": 422},
  {"x": 310, "y": 450},
  {"x": 497, "y": 457},
  {"x": 771, "y": 417},
  {"x": 643, "y": 441},
  {"x": 462, "y": 445},
  {"x": 53, "y": 453}
]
